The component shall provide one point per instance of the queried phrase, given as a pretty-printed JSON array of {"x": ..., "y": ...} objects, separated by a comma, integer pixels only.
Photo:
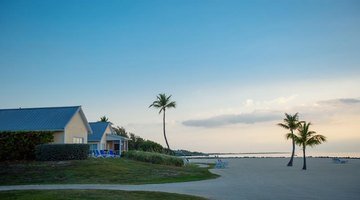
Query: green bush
[
  {"x": 155, "y": 158},
  {"x": 57, "y": 152},
  {"x": 151, "y": 146},
  {"x": 21, "y": 145}
]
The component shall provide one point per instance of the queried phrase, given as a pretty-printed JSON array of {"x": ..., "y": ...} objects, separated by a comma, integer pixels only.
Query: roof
[
  {"x": 38, "y": 119},
  {"x": 98, "y": 129},
  {"x": 115, "y": 137}
]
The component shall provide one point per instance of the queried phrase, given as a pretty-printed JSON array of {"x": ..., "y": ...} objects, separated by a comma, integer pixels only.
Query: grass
[
  {"x": 99, "y": 171},
  {"x": 155, "y": 158},
  {"x": 91, "y": 195}
]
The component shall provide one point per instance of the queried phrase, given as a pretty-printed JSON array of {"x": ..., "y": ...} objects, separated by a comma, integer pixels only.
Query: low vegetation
[
  {"x": 91, "y": 195},
  {"x": 58, "y": 152},
  {"x": 100, "y": 171},
  {"x": 155, "y": 158},
  {"x": 21, "y": 145}
]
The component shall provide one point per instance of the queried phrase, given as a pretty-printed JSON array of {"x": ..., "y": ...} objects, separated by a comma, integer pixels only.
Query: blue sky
[{"x": 215, "y": 57}]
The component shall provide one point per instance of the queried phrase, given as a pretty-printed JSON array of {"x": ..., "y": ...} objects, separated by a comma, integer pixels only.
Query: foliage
[
  {"x": 151, "y": 146},
  {"x": 97, "y": 170},
  {"x": 92, "y": 194},
  {"x": 140, "y": 144},
  {"x": 21, "y": 145},
  {"x": 305, "y": 137},
  {"x": 155, "y": 158},
  {"x": 104, "y": 119},
  {"x": 291, "y": 122},
  {"x": 182, "y": 152},
  {"x": 57, "y": 152},
  {"x": 120, "y": 131},
  {"x": 135, "y": 142},
  {"x": 163, "y": 102}
]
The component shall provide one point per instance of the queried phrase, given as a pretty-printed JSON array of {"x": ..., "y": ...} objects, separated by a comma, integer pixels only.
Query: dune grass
[
  {"x": 155, "y": 158},
  {"x": 91, "y": 195},
  {"x": 98, "y": 171}
]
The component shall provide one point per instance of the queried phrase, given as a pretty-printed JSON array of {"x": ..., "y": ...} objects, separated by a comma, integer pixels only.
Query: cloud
[
  {"x": 245, "y": 118},
  {"x": 319, "y": 110},
  {"x": 340, "y": 102}
]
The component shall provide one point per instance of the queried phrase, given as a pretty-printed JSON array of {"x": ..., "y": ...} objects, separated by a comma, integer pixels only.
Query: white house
[{"x": 104, "y": 138}]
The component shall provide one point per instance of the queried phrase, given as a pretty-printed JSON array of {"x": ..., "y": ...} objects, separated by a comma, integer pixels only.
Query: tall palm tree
[
  {"x": 306, "y": 137},
  {"x": 163, "y": 102},
  {"x": 104, "y": 119},
  {"x": 291, "y": 122}
]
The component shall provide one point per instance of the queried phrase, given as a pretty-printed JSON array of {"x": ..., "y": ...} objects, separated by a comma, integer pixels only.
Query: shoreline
[{"x": 239, "y": 157}]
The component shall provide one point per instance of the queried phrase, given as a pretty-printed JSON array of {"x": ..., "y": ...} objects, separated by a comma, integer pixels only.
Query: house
[
  {"x": 68, "y": 124},
  {"x": 104, "y": 138}
]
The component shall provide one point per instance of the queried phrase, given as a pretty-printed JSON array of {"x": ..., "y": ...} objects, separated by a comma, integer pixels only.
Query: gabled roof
[
  {"x": 38, "y": 119},
  {"x": 98, "y": 129},
  {"x": 115, "y": 137}
]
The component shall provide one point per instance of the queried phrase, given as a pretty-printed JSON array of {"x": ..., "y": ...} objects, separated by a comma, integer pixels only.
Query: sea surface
[{"x": 280, "y": 154}]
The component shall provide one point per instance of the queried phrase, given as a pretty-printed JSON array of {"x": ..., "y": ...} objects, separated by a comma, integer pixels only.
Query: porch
[{"x": 116, "y": 143}]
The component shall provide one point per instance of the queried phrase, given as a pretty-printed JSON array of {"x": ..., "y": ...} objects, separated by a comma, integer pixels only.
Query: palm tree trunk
[
  {"x": 290, "y": 164},
  {"x": 164, "y": 131},
  {"x": 304, "y": 166}
]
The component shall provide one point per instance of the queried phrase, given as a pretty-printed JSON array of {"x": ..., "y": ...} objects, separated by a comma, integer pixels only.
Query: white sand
[
  {"x": 270, "y": 178},
  {"x": 257, "y": 178}
]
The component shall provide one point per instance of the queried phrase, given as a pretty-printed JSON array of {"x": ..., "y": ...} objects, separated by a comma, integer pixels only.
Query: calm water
[{"x": 280, "y": 154}]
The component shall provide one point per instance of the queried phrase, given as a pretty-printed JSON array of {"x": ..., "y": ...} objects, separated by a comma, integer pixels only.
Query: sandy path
[{"x": 266, "y": 178}]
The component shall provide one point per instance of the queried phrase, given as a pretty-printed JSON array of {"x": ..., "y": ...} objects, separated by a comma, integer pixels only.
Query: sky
[{"x": 233, "y": 67}]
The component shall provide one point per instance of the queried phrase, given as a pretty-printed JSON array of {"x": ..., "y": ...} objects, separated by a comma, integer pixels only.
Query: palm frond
[
  {"x": 289, "y": 136},
  {"x": 283, "y": 125},
  {"x": 171, "y": 105}
]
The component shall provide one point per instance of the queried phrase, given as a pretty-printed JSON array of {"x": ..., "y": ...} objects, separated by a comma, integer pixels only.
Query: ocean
[{"x": 280, "y": 154}]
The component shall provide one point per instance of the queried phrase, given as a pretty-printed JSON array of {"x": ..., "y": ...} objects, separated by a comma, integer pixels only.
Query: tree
[
  {"x": 306, "y": 137},
  {"x": 291, "y": 122},
  {"x": 163, "y": 102},
  {"x": 104, "y": 119},
  {"x": 121, "y": 131}
]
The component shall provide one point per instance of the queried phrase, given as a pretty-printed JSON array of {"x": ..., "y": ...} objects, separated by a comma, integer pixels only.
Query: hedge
[
  {"x": 21, "y": 145},
  {"x": 57, "y": 152},
  {"x": 155, "y": 158}
]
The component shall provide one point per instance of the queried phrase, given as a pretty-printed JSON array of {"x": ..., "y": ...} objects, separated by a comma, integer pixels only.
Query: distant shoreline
[
  {"x": 248, "y": 153},
  {"x": 239, "y": 157}
]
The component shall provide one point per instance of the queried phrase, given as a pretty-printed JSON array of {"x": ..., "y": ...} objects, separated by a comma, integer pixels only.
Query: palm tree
[
  {"x": 163, "y": 102},
  {"x": 291, "y": 122},
  {"x": 306, "y": 137},
  {"x": 104, "y": 119}
]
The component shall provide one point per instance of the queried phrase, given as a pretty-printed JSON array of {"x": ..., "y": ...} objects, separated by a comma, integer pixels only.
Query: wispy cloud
[
  {"x": 320, "y": 109},
  {"x": 340, "y": 102},
  {"x": 245, "y": 118}
]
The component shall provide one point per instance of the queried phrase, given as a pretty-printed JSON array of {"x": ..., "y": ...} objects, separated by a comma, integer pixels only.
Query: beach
[{"x": 270, "y": 178}]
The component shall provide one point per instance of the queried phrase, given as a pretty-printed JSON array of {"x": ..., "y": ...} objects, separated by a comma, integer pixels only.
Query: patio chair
[
  {"x": 111, "y": 154},
  {"x": 103, "y": 154},
  {"x": 97, "y": 154},
  {"x": 220, "y": 164}
]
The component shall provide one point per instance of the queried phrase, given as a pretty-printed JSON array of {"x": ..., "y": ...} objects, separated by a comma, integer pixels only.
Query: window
[
  {"x": 78, "y": 140},
  {"x": 93, "y": 147}
]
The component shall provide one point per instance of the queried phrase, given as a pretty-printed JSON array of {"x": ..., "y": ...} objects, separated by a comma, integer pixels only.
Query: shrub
[
  {"x": 57, "y": 152},
  {"x": 151, "y": 146},
  {"x": 21, "y": 145},
  {"x": 155, "y": 158}
]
